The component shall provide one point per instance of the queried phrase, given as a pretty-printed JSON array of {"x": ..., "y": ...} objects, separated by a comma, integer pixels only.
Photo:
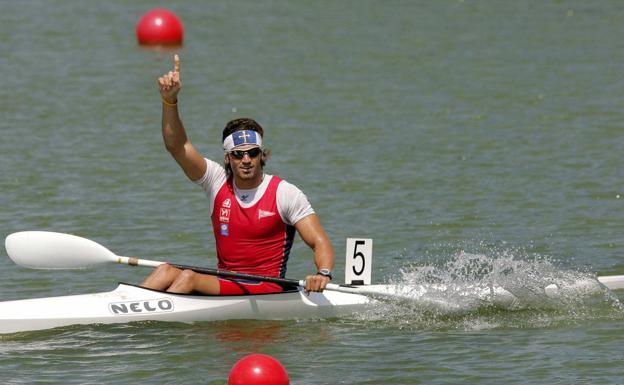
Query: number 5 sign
[{"x": 359, "y": 260}]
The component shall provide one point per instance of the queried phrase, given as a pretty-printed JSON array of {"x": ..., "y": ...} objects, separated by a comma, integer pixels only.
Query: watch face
[{"x": 325, "y": 272}]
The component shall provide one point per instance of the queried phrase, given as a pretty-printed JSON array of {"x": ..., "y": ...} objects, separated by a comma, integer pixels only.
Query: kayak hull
[{"x": 129, "y": 303}]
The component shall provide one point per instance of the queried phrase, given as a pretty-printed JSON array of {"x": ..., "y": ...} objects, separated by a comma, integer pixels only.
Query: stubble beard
[{"x": 248, "y": 174}]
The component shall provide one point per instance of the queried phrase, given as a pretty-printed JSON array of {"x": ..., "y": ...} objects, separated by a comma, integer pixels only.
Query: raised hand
[{"x": 169, "y": 84}]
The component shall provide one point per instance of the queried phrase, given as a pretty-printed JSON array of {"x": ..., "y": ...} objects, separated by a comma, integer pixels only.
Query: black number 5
[{"x": 358, "y": 254}]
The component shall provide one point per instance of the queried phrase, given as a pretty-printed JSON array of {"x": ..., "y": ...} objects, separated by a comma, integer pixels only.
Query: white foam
[{"x": 475, "y": 291}]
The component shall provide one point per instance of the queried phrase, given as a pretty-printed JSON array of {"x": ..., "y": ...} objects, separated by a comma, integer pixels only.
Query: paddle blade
[{"x": 49, "y": 250}]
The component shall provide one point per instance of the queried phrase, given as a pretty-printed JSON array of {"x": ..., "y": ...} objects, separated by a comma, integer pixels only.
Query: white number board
[{"x": 358, "y": 264}]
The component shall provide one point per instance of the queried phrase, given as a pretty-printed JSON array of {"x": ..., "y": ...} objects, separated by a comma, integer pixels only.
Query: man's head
[
  {"x": 239, "y": 125},
  {"x": 242, "y": 142}
]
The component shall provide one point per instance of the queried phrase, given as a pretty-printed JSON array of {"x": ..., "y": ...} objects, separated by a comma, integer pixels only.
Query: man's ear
[{"x": 226, "y": 158}]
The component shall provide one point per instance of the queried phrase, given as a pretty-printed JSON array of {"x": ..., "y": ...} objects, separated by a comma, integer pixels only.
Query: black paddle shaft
[{"x": 231, "y": 274}]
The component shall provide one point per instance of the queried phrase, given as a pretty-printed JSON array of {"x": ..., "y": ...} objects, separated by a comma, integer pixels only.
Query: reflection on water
[{"x": 244, "y": 336}]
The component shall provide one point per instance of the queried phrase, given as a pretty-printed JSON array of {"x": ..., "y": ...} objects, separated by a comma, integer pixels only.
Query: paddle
[{"x": 50, "y": 250}]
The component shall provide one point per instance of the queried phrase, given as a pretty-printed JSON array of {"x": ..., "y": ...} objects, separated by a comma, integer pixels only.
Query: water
[{"x": 472, "y": 140}]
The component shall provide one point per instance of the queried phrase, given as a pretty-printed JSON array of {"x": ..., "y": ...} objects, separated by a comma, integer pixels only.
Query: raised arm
[
  {"x": 174, "y": 135},
  {"x": 313, "y": 234}
]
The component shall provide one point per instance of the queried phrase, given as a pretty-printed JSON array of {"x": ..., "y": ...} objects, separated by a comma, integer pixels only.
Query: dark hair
[{"x": 239, "y": 125}]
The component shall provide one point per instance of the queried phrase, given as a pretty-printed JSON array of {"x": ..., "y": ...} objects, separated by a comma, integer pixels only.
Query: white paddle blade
[
  {"x": 49, "y": 250},
  {"x": 612, "y": 282}
]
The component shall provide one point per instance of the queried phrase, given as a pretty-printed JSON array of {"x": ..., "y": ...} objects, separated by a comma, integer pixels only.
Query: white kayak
[{"x": 129, "y": 303}]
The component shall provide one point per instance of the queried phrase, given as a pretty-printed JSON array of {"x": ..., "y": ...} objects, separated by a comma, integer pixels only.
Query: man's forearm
[
  {"x": 324, "y": 256},
  {"x": 173, "y": 131}
]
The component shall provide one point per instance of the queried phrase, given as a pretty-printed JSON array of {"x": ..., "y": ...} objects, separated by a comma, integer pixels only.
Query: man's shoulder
[
  {"x": 215, "y": 174},
  {"x": 214, "y": 166},
  {"x": 292, "y": 203},
  {"x": 283, "y": 184}
]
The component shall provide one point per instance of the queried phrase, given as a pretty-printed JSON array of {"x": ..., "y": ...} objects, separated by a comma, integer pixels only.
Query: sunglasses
[{"x": 252, "y": 152}]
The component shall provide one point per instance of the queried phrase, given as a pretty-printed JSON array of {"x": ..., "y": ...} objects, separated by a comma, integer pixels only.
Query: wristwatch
[{"x": 325, "y": 273}]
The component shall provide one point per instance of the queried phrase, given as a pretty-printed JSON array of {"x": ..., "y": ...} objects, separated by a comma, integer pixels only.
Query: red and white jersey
[{"x": 254, "y": 229}]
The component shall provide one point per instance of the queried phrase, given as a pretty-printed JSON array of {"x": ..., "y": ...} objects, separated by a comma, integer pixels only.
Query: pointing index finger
[{"x": 176, "y": 63}]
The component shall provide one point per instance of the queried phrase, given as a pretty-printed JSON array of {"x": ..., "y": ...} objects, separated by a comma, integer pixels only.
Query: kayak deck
[{"x": 130, "y": 303}]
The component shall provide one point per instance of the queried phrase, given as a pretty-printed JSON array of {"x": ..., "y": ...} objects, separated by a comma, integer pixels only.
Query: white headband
[{"x": 239, "y": 138}]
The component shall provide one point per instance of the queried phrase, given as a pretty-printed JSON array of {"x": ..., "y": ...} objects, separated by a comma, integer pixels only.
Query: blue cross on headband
[
  {"x": 244, "y": 137},
  {"x": 240, "y": 138}
]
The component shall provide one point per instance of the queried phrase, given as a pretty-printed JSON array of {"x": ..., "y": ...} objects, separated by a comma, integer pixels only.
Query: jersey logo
[
  {"x": 224, "y": 230},
  {"x": 227, "y": 203},
  {"x": 264, "y": 214},
  {"x": 225, "y": 215}
]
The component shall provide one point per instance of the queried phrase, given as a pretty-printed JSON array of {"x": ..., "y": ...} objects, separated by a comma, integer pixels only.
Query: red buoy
[
  {"x": 160, "y": 27},
  {"x": 258, "y": 369}
]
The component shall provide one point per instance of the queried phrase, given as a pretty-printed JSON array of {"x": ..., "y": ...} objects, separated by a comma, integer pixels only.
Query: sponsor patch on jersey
[
  {"x": 224, "y": 215},
  {"x": 224, "y": 229},
  {"x": 264, "y": 214},
  {"x": 227, "y": 203}
]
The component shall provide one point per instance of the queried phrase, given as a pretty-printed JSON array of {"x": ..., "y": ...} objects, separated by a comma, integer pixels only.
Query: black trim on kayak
[
  {"x": 286, "y": 290},
  {"x": 284, "y": 282}
]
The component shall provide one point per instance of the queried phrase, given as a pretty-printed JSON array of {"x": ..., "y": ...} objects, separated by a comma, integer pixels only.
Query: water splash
[{"x": 476, "y": 291}]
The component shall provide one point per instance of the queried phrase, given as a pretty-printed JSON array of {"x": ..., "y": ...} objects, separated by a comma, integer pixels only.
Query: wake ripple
[{"x": 475, "y": 291}]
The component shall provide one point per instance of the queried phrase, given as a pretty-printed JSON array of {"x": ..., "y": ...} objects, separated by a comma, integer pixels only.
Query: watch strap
[{"x": 325, "y": 273}]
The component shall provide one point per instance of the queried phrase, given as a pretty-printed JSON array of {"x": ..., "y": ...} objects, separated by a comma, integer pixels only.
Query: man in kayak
[{"x": 254, "y": 215}]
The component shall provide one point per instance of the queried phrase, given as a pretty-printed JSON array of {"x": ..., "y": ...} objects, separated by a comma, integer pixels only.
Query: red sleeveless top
[{"x": 252, "y": 240}]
